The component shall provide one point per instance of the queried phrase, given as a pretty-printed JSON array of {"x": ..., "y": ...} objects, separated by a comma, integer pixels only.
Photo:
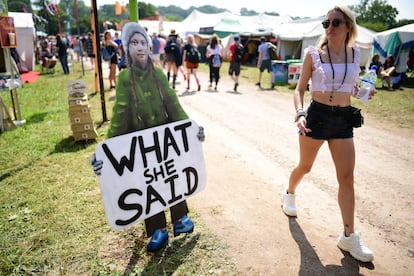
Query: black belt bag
[{"x": 357, "y": 119}]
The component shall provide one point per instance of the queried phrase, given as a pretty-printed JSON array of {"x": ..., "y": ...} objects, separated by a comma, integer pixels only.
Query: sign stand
[{"x": 8, "y": 40}]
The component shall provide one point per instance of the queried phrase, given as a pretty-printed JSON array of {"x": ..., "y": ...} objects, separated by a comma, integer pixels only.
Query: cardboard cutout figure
[{"x": 159, "y": 167}]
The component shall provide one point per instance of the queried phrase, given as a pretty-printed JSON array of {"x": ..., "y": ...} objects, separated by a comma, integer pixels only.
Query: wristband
[{"x": 299, "y": 114}]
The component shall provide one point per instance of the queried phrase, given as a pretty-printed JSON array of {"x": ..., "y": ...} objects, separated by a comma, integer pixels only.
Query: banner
[{"x": 147, "y": 171}]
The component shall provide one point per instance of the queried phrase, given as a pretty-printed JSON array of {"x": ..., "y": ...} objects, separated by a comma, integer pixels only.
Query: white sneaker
[
  {"x": 288, "y": 204},
  {"x": 355, "y": 247}
]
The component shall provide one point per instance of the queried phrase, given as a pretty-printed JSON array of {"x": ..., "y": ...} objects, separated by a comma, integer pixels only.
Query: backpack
[
  {"x": 171, "y": 46},
  {"x": 272, "y": 51},
  {"x": 216, "y": 60},
  {"x": 239, "y": 53},
  {"x": 193, "y": 55},
  {"x": 106, "y": 55}
]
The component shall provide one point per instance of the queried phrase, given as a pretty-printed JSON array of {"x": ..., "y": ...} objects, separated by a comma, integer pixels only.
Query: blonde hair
[
  {"x": 191, "y": 40},
  {"x": 350, "y": 22}
]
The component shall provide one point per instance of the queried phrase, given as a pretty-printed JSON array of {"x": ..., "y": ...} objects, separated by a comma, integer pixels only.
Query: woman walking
[{"x": 332, "y": 69}]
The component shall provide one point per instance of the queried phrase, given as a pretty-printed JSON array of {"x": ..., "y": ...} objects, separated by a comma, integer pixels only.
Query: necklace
[{"x": 333, "y": 72}]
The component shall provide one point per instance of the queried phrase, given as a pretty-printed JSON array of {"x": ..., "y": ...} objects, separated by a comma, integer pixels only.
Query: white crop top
[{"x": 321, "y": 79}]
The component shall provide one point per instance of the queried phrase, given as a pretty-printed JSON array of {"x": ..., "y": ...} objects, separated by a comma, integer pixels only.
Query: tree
[
  {"x": 376, "y": 15},
  {"x": 19, "y": 6}
]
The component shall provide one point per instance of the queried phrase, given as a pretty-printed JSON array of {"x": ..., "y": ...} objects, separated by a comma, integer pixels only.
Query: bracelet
[{"x": 299, "y": 113}]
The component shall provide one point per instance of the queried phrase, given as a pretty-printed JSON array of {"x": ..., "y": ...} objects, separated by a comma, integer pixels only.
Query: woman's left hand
[{"x": 371, "y": 93}]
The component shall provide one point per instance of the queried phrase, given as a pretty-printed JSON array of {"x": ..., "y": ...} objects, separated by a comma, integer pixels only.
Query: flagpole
[
  {"x": 98, "y": 69},
  {"x": 79, "y": 36},
  {"x": 58, "y": 17}
]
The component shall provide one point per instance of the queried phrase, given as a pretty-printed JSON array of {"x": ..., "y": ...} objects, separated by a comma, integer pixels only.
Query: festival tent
[
  {"x": 396, "y": 42},
  {"x": 294, "y": 37},
  {"x": 226, "y": 23},
  {"x": 160, "y": 26},
  {"x": 313, "y": 30},
  {"x": 25, "y": 37},
  {"x": 197, "y": 20}
]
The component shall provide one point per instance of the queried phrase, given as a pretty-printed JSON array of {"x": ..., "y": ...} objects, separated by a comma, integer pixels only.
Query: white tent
[
  {"x": 396, "y": 42},
  {"x": 25, "y": 37},
  {"x": 227, "y": 23},
  {"x": 295, "y": 36}
]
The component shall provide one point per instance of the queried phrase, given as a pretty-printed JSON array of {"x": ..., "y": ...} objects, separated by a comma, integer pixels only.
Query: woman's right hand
[
  {"x": 96, "y": 164},
  {"x": 301, "y": 124}
]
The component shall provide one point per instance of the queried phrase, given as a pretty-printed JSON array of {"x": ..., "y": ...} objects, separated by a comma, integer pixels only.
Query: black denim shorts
[{"x": 329, "y": 122}]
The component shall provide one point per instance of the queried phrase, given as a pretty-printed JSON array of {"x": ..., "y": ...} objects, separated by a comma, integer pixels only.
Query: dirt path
[{"x": 251, "y": 146}]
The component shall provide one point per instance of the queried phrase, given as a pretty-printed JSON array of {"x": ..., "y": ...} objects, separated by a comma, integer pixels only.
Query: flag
[
  {"x": 50, "y": 8},
  {"x": 118, "y": 10},
  {"x": 124, "y": 7}
]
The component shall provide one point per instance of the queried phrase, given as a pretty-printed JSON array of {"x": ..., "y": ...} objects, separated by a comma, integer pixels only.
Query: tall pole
[
  {"x": 79, "y": 36},
  {"x": 133, "y": 10},
  {"x": 94, "y": 14},
  {"x": 68, "y": 23}
]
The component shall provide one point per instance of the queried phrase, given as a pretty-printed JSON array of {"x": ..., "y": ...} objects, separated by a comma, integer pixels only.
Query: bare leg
[
  {"x": 343, "y": 155},
  {"x": 308, "y": 150}
]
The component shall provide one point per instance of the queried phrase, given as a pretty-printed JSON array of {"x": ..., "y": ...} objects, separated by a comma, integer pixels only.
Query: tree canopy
[{"x": 376, "y": 15}]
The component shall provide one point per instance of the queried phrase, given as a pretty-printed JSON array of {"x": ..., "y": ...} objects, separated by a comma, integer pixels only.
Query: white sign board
[{"x": 147, "y": 171}]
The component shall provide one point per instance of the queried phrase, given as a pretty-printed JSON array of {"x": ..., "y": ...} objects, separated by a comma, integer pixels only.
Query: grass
[{"x": 51, "y": 217}]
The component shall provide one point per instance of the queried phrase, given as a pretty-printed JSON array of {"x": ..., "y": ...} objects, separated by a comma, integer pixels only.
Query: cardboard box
[
  {"x": 80, "y": 118},
  {"x": 85, "y": 135},
  {"x": 78, "y": 101},
  {"x": 82, "y": 109},
  {"x": 81, "y": 127}
]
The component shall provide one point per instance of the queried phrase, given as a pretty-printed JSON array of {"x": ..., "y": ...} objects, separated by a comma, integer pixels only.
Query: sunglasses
[{"x": 336, "y": 22}]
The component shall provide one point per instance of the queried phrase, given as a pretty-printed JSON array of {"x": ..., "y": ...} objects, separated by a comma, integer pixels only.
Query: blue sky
[{"x": 311, "y": 8}]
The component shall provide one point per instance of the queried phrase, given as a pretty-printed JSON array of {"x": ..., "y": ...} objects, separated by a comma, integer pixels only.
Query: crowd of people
[{"x": 177, "y": 56}]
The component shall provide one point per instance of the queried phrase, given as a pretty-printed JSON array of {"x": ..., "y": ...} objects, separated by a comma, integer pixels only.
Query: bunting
[{"x": 51, "y": 8}]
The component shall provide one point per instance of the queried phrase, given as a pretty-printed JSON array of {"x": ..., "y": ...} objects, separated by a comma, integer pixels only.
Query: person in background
[
  {"x": 172, "y": 56},
  {"x": 388, "y": 72},
  {"x": 332, "y": 70},
  {"x": 190, "y": 50},
  {"x": 162, "y": 51},
  {"x": 155, "y": 49},
  {"x": 113, "y": 63},
  {"x": 179, "y": 61},
  {"x": 62, "y": 49},
  {"x": 252, "y": 52},
  {"x": 118, "y": 41},
  {"x": 214, "y": 56},
  {"x": 89, "y": 50},
  {"x": 144, "y": 99},
  {"x": 77, "y": 47},
  {"x": 377, "y": 63},
  {"x": 264, "y": 61},
  {"x": 235, "y": 61},
  {"x": 122, "y": 58}
]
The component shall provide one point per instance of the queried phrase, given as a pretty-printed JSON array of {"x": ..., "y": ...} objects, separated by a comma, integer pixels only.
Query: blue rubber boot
[
  {"x": 184, "y": 225},
  {"x": 158, "y": 240}
]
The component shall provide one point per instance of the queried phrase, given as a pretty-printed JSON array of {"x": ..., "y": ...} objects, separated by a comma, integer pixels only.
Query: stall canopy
[
  {"x": 396, "y": 42},
  {"x": 25, "y": 37}
]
